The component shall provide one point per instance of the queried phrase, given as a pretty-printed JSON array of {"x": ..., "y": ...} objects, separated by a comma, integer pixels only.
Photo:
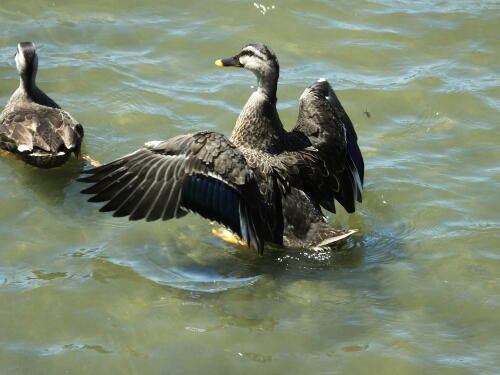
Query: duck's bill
[{"x": 230, "y": 61}]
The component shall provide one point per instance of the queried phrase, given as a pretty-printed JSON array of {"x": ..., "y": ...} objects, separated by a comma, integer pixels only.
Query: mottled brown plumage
[
  {"x": 265, "y": 184},
  {"x": 32, "y": 125},
  {"x": 316, "y": 155},
  {"x": 319, "y": 158}
]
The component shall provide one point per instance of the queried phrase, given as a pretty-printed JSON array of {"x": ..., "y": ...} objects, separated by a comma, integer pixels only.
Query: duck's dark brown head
[
  {"x": 26, "y": 61},
  {"x": 256, "y": 57},
  {"x": 259, "y": 59}
]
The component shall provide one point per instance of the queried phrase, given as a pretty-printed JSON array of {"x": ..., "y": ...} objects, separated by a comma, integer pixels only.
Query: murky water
[{"x": 417, "y": 289}]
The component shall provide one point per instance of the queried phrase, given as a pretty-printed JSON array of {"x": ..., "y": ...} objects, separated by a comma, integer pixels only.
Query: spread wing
[
  {"x": 40, "y": 129},
  {"x": 324, "y": 122},
  {"x": 201, "y": 172}
]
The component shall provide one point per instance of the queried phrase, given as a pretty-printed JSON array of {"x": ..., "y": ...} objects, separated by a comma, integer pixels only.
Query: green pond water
[{"x": 416, "y": 291}]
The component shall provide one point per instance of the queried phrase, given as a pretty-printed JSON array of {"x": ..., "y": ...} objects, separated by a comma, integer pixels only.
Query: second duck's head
[
  {"x": 26, "y": 60},
  {"x": 256, "y": 57}
]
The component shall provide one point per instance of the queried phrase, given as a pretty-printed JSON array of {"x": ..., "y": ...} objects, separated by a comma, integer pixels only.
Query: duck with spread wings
[{"x": 265, "y": 184}]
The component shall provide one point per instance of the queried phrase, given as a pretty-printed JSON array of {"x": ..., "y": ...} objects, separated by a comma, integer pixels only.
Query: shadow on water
[
  {"x": 48, "y": 184},
  {"x": 205, "y": 264}
]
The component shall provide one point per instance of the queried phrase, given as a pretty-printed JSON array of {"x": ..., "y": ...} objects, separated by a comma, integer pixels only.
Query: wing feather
[
  {"x": 324, "y": 122},
  {"x": 201, "y": 172}
]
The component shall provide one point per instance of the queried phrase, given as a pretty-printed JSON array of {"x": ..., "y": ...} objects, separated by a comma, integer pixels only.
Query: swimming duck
[
  {"x": 32, "y": 126},
  {"x": 265, "y": 184}
]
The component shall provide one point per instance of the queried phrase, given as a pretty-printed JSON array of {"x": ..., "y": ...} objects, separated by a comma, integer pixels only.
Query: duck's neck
[
  {"x": 268, "y": 85},
  {"x": 28, "y": 90},
  {"x": 27, "y": 85},
  {"x": 258, "y": 126}
]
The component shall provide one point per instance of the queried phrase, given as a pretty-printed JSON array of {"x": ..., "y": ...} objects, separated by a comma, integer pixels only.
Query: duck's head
[
  {"x": 26, "y": 60},
  {"x": 256, "y": 57}
]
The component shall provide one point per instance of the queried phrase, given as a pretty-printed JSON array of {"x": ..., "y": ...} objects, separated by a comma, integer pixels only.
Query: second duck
[{"x": 32, "y": 126}]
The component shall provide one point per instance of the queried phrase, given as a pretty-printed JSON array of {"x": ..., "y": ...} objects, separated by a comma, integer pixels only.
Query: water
[{"x": 415, "y": 291}]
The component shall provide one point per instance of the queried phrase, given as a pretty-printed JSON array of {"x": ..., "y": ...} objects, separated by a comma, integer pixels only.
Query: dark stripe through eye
[{"x": 249, "y": 53}]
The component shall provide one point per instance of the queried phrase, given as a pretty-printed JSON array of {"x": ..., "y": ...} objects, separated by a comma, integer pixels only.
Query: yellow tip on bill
[{"x": 219, "y": 63}]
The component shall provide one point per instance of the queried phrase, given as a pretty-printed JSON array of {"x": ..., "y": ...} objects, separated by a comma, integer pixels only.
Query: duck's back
[{"x": 41, "y": 135}]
